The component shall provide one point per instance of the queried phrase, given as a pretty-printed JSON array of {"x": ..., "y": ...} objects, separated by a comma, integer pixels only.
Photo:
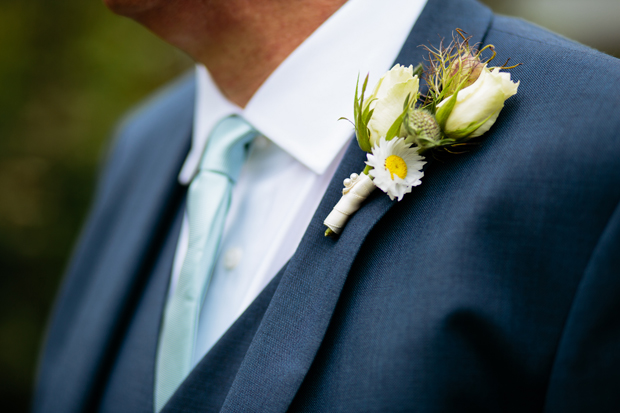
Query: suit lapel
[
  {"x": 296, "y": 321},
  {"x": 149, "y": 195}
]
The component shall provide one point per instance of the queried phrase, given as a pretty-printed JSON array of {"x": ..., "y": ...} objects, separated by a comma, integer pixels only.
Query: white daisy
[{"x": 397, "y": 167}]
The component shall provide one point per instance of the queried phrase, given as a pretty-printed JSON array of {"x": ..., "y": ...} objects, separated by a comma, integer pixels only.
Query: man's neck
[{"x": 241, "y": 42}]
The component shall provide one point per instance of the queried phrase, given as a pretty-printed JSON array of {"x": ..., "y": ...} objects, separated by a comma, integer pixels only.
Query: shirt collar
[{"x": 298, "y": 106}]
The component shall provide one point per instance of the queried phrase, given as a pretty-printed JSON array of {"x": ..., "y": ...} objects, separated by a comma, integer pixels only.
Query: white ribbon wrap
[{"x": 356, "y": 190}]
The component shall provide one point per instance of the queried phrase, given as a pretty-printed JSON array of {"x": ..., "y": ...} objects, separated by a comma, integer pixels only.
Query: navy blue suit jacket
[{"x": 493, "y": 286}]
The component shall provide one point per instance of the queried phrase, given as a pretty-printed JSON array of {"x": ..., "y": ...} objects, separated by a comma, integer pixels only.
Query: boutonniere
[{"x": 396, "y": 125}]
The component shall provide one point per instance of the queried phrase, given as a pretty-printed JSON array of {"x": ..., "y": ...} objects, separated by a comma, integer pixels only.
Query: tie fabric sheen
[{"x": 208, "y": 201}]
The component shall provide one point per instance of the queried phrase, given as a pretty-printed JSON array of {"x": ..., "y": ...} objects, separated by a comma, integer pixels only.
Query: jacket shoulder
[
  {"x": 158, "y": 117},
  {"x": 522, "y": 30},
  {"x": 543, "y": 45},
  {"x": 171, "y": 104}
]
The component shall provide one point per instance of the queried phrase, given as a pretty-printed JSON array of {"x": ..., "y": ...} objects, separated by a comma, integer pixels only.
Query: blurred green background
[{"x": 68, "y": 70}]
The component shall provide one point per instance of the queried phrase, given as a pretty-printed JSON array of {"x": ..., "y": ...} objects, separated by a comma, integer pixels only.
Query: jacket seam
[
  {"x": 561, "y": 339},
  {"x": 585, "y": 50}
]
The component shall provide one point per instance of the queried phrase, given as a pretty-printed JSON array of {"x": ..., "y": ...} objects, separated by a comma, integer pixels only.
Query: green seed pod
[
  {"x": 464, "y": 71},
  {"x": 422, "y": 128}
]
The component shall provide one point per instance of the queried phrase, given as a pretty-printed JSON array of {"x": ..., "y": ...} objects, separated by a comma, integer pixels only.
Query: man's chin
[{"x": 131, "y": 8}]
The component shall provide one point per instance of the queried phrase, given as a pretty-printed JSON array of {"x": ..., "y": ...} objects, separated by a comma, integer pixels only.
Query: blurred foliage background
[{"x": 68, "y": 71}]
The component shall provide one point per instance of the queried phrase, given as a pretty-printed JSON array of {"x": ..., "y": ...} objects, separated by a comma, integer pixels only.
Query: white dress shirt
[{"x": 289, "y": 167}]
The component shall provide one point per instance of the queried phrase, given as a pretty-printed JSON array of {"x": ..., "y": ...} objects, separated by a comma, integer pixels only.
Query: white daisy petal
[{"x": 396, "y": 167}]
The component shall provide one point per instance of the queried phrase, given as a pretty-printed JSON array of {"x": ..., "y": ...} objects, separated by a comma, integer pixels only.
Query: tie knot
[{"x": 226, "y": 147}]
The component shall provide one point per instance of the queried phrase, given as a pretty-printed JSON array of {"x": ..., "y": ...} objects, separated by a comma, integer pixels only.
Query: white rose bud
[
  {"x": 390, "y": 94},
  {"x": 477, "y": 106}
]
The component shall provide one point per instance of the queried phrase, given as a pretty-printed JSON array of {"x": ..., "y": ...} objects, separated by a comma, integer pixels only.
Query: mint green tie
[{"x": 208, "y": 200}]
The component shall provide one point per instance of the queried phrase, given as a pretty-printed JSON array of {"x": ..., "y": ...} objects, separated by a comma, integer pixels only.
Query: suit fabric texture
[{"x": 493, "y": 286}]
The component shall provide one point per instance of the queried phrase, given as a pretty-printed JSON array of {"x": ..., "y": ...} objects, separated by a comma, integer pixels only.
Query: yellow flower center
[{"x": 396, "y": 166}]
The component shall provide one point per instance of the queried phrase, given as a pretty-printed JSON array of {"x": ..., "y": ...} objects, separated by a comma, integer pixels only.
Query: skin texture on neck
[{"x": 240, "y": 41}]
